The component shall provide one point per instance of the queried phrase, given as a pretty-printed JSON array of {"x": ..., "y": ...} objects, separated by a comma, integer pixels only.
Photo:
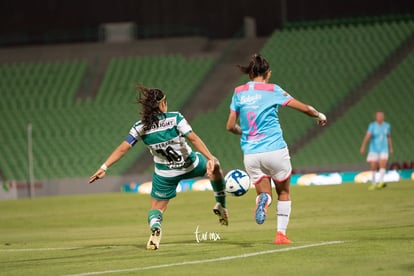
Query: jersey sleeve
[
  {"x": 133, "y": 136},
  {"x": 282, "y": 97},
  {"x": 182, "y": 125},
  {"x": 370, "y": 128},
  {"x": 234, "y": 105}
]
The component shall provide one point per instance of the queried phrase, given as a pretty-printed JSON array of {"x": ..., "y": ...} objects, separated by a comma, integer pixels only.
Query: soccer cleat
[
  {"x": 154, "y": 240},
  {"x": 372, "y": 187},
  {"x": 381, "y": 185},
  {"x": 281, "y": 239},
  {"x": 222, "y": 213},
  {"x": 261, "y": 208}
]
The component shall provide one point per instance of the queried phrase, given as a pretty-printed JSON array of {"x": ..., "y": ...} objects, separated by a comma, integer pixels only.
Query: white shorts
[
  {"x": 376, "y": 156},
  {"x": 274, "y": 164}
]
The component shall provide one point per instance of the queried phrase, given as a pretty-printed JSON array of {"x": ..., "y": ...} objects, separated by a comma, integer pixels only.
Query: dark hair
[
  {"x": 258, "y": 66},
  {"x": 150, "y": 99}
]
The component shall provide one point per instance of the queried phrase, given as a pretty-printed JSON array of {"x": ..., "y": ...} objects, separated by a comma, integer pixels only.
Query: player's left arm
[
  {"x": 390, "y": 149},
  {"x": 308, "y": 110}
]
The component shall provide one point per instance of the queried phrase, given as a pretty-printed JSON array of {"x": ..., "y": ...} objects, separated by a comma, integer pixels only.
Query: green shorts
[{"x": 164, "y": 188}]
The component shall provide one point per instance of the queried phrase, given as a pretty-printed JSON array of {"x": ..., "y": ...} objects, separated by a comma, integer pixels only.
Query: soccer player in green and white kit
[{"x": 165, "y": 134}]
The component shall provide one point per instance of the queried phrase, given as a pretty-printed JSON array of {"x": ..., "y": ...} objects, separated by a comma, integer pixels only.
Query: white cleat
[
  {"x": 154, "y": 240},
  {"x": 222, "y": 213}
]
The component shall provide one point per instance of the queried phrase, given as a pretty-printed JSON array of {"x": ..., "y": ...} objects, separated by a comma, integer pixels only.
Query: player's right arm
[
  {"x": 367, "y": 137},
  {"x": 117, "y": 154},
  {"x": 309, "y": 110}
]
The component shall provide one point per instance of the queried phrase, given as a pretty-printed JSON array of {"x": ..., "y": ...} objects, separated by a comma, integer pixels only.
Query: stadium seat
[
  {"x": 393, "y": 96},
  {"x": 319, "y": 65},
  {"x": 71, "y": 137}
]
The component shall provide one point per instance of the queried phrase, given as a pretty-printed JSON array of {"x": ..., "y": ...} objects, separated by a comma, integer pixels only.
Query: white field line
[
  {"x": 37, "y": 249},
  {"x": 208, "y": 260},
  {"x": 11, "y": 250}
]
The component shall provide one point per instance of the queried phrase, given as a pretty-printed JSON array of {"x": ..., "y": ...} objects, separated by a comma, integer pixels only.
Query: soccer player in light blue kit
[
  {"x": 255, "y": 106},
  {"x": 380, "y": 146}
]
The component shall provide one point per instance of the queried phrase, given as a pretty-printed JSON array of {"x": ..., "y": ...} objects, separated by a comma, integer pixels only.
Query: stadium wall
[
  {"x": 26, "y": 22},
  {"x": 141, "y": 184},
  {"x": 314, "y": 179},
  {"x": 54, "y": 187}
]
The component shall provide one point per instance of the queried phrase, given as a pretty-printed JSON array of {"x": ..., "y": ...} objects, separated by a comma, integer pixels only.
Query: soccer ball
[{"x": 237, "y": 182}]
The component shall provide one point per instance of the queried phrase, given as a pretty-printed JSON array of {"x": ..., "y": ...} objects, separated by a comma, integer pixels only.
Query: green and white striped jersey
[{"x": 166, "y": 142}]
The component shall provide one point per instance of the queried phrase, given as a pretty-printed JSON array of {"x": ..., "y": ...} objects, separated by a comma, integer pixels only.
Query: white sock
[
  {"x": 373, "y": 178},
  {"x": 381, "y": 175},
  {"x": 283, "y": 215}
]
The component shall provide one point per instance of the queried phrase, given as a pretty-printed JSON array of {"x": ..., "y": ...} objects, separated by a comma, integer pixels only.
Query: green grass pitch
[{"x": 336, "y": 230}]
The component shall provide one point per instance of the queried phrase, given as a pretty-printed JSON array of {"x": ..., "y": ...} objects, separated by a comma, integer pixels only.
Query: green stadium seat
[
  {"x": 319, "y": 65},
  {"x": 70, "y": 136},
  {"x": 393, "y": 96}
]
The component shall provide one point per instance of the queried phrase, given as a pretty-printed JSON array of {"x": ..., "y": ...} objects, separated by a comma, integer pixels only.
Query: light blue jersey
[
  {"x": 379, "y": 137},
  {"x": 257, "y": 105}
]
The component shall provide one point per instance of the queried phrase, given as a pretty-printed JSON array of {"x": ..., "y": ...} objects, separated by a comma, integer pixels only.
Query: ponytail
[{"x": 149, "y": 98}]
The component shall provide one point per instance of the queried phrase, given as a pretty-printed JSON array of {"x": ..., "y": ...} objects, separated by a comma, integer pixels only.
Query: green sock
[
  {"x": 219, "y": 188},
  {"x": 154, "y": 218}
]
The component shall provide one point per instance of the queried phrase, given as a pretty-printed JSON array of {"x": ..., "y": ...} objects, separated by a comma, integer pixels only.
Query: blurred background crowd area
[{"x": 68, "y": 70}]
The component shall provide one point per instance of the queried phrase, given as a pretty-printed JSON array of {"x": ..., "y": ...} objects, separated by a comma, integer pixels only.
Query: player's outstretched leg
[{"x": 219, "y": 188}]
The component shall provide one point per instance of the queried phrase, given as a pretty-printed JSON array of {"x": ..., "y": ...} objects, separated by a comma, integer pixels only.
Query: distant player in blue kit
[
  {"x": 166, "y": 134},
  {"x": 255, "y": 106},
  {"x": 380, "y": 146}
]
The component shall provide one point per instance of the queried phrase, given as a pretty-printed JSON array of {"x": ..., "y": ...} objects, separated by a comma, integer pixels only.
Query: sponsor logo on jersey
[
  {"x": 250, "y": 99},
  {"x": 162, "y": 125}
]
